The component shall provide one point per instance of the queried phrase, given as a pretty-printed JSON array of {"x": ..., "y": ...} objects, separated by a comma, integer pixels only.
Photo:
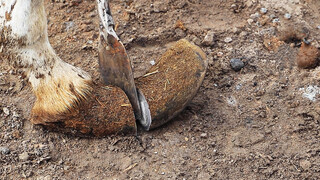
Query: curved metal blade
[{"x": 115, "y": 64}]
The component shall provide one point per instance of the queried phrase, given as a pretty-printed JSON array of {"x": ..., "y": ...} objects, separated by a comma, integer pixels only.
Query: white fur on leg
[{"x": 58, "y": 86}]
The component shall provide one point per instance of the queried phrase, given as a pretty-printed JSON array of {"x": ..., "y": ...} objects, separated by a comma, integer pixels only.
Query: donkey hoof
[{"x": 167, "y": 88}]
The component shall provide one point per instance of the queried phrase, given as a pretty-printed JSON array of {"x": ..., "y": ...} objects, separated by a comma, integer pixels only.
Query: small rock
[
  {"x": 236, "y": 64},
  {"x": 276, "y": 20},
  {"x": 219, "y": 54},
  {"x": 203, "y": 135},
  {"x": 66, "y": 168},
  {"x": 24, "y": 156},
  {"x": 228, "y": 39},
  {"x": 15, "y": 114},
  {"x": 152, "y": 62},
  {"x": 180, "y": 33},
  {"x": 318, "y": 27},
  {"x": 208, "y": 39},
  {"x": 236, "y": 30},
  {"x": 263, "y": 10},
  {"x": 6, "y": 111},
  {"x": 196, "y": 40},
  {"x": 243, "y": 34},
  {"x": 233, "y": 6},
  {"x": 238, "y": 87},
  {"x": 255, "y": 16},
  {"x": 250, "y": 21},
  {"x": 305, "y": 164},
  {"x": 287, "y": 16},
  {"x": 4, "y": 150}
]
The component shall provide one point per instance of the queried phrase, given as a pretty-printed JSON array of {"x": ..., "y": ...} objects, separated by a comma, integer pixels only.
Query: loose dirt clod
[{"x": 308, "y": 56}]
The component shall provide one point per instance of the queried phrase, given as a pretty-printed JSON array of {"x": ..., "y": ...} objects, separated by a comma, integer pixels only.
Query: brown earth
[{"x": 261, "y": 122}]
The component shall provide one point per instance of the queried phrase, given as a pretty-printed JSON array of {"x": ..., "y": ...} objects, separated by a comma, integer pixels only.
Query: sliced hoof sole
[{"x": 173, "y": 81}]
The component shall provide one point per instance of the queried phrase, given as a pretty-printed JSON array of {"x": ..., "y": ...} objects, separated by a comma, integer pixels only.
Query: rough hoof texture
[
  {"x": 106, "y": 110},
  {"x": 173, "y": 81},
  {"x": 169, "y": 87}
]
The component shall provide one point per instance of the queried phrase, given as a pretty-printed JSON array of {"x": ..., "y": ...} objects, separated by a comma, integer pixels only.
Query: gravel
[
  {"x": 203, "y": 135},
  {"x": 24, "y": 156},
  {"x": 287, "y": 16},
  {"x": 4, "y": 150},
  {"x": 228, "y": 39},
  {"x": 276, "y": 20},
  {"x": 236, "y": 64},
  {"x": 6, "y": 111},
  {"x": 263, "y": 10},
  {"x": 208, "y": 39}
]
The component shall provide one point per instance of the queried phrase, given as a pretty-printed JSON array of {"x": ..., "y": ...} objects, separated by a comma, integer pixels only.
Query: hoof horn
[{"x": 173, "y": 81}]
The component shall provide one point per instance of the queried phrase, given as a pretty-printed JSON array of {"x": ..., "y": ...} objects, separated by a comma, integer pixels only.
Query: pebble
[
  {"x": 228, "y": 39},
  {"x": 287, "y": 16},
  {"x": 209, "y": 39},
  {"x": 236, "y": 64},
  {"x": 318, "y": 27},
  {"x": 236, "y": 30},
  {"x": 255, "y": 16},
  {"x": 152, "y": 62},
  {"x": 305, "y": 164},
  {"x": 243, "y": 34},
  {"x": 233, "y": 5},
  {"x": 276, "y": 20},
  {"x": 250, "y": 21},
  {"x": 24, "y": 156},
  {"x": 220, "y": 54},
  {"x": 263, "y": 10},
  {"x": 180, "y": 33},
  {"x": 203, "y": 135},
  {"x": 196, "y": 40},
  {"x": 4, "y": 150},
  {"x": 6, "y": 111},
  {"x": 238, "y": 87}
]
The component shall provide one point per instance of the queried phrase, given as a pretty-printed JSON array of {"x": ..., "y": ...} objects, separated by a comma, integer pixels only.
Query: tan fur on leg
[{"x": 60, "y": 94}]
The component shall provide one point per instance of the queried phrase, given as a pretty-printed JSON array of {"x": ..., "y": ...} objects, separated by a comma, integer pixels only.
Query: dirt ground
[{"x": 261, "y": 122}]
